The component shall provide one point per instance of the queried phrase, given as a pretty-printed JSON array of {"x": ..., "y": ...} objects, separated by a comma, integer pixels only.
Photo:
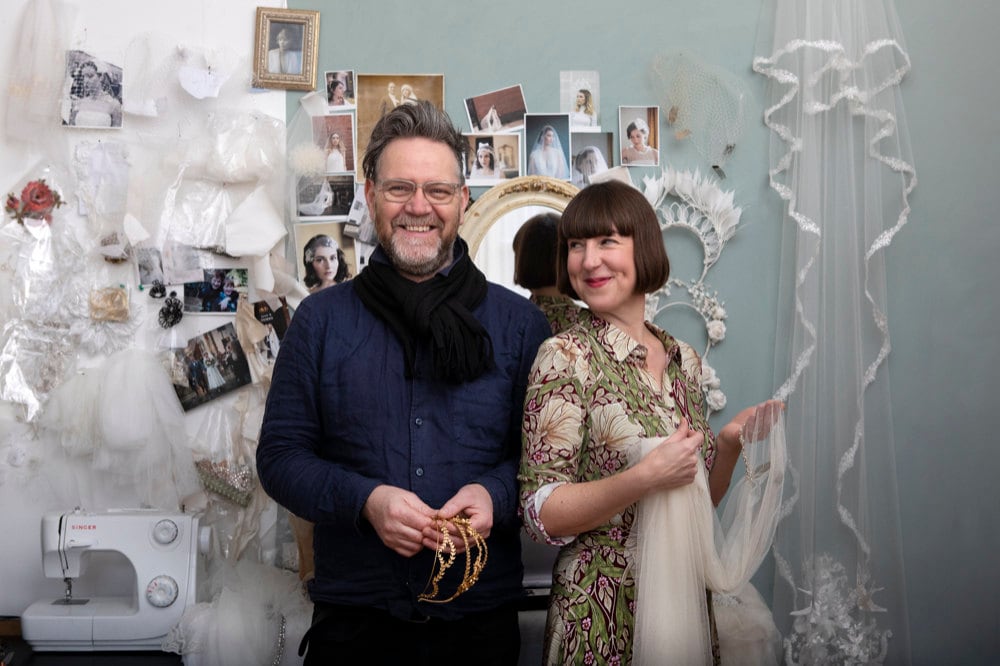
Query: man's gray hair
[{"x": 421, "y": 120}]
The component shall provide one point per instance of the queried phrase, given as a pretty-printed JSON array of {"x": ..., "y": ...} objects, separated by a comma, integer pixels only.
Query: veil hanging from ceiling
[{"x": 840, "y": 160}]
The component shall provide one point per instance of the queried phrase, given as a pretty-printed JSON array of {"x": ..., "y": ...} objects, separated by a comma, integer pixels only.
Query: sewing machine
[{"x": 163, "y": 549}]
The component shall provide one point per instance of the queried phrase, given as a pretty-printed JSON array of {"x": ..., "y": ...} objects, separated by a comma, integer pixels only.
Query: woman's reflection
[{"x": 535, "y": 245}]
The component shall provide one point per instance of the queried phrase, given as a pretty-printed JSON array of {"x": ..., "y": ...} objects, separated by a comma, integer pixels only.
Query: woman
[
  {"x": 324, "y": 263},
  {"x": 92, "y": 104},
  {"x": 228, "y": 297},
  {"x": 583, "y": 113},
  {"x": 588, "y": 163},
  {"x": 485, "y": 165},
  {"x": 336, "y": 92},
  {"x": 335, "y": 156},
  {"x": 287, "y": 58},
  {"x": 406, "y": 95},
  {"x": 594, "y": 392},
  {"x": 547, "y": 157},
  {"x": 535, "y": 246},
  {"x": 638, "y": 152}
]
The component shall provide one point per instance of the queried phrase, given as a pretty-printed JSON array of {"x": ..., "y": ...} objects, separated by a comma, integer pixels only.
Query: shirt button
[
  {"x": 419, "y": 421},
  {"x": 419, "y": 471}
]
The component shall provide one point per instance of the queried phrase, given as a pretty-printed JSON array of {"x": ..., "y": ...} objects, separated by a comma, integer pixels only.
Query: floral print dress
[
  {"x": 589, "y": 397},
  {"x": 561, "y": 311}
]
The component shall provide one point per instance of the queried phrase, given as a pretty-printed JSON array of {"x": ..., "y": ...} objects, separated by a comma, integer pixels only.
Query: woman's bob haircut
[{"x": 601, "y": 209}]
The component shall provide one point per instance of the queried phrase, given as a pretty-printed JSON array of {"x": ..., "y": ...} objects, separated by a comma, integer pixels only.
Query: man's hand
[
  {"x": 400, "y": 518},
  {"x": 472, "y": 502}
]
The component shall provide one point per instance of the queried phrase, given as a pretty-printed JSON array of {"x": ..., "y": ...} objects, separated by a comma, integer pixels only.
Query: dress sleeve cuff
[{"x": 532, "y": 521}]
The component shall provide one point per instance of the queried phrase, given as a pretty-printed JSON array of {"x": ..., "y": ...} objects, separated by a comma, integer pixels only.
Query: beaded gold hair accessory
[{"x": 446, "y": 555}]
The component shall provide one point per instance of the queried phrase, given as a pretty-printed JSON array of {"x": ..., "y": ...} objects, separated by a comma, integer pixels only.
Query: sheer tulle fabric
[
  {"x": 682, "y": 549},
  {"x": 840, "y": 159}
]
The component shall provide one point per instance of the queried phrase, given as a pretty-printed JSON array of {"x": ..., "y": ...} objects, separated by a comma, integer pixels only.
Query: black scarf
[{"x": 438, "y": 310}]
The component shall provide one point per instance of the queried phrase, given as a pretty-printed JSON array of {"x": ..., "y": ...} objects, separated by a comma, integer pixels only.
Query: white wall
[{"x": 108, "y": 28}]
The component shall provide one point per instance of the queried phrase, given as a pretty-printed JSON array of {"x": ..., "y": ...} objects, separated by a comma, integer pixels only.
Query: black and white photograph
[
  {"x": 334, "y": 133},
  {"x": 592, "y": 154},
  {"x": 497, "y": 111},
  {"x": 579, "y": 96},
  {"x": 219, "y": 292},
  {"x": 340, "y": 88},
  {"x": 547, "y": 145},
  {"x": 490, "y": 158},
  {"x": 150, "y": 264},
  {"x": 209, "y": 366},
  {"x": 285, "y": 48},
  {"x": 325, "y": 197},
  {"x": 639, "y": 135},
  {"x": 92, "y": 92}
]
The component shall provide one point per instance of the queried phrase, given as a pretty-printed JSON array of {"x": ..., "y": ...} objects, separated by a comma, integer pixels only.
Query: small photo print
[
  {"x": 547, "y": 137},
  {"x": 325, "y": 197},
  {"x": 639, "y": 136},
  {"x": 209, "y": 366},
  {"x": 327, "y": 254},
  {"x": 275, "y": 320},
  {"x": 491, "y": 158},
  {"x": 592, "y": 153},
  {"x": 579, "y": 95},
  {"x": 219, "y": 292},
  {"x": 334, "y": 133},
  {"x": 150, "y": 265},
  {"x": 92, "y": 92},
  {"x": 340, "y": 89},
  {"x": 497, "y": 111}
]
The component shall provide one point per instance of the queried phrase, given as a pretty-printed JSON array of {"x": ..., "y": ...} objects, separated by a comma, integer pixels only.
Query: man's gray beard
[{"x": 409, "y": 266}]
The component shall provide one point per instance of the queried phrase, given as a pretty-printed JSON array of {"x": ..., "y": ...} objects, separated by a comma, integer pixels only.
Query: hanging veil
[
  {"x": 682, "y": 549},
  {"x": 840, "y": 159}
]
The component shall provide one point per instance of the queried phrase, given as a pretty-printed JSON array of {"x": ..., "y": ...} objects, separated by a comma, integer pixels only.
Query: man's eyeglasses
[{"x": 400, "y": 191}]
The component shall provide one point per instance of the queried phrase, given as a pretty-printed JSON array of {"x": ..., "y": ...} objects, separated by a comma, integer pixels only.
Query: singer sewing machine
[{"x": 163, "y": 549}]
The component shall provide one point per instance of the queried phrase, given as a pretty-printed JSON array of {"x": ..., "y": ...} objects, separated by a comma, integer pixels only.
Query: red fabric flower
[{"x": 37, "y": 202}]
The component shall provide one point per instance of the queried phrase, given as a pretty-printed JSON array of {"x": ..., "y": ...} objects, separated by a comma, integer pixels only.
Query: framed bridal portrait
[{"x": 285, "y": 49}]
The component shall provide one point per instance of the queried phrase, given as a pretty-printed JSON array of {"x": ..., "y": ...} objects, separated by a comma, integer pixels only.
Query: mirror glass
[{"x": 492, "y": 221}]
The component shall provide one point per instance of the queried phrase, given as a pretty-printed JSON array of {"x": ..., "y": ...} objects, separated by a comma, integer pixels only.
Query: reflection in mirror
[{"x": 492, "y": 221}]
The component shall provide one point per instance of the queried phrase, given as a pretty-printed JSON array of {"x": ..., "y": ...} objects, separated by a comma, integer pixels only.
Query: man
[
  {"x": 395, "y": 402},
  {"x": 389, "y": 101}
]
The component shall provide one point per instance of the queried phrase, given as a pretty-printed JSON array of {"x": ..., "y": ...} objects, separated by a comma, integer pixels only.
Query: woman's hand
[
  {"x": 674, "y": 462},
  {"x": 750, "y": 425}
]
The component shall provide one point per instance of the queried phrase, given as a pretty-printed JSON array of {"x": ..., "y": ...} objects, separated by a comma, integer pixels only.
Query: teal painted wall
[{"x": 941, "y": 268}]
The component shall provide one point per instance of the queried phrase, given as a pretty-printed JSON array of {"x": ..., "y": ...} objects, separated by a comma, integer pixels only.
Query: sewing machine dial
[
  {"x": 165, "y": 531},
  {"x": 162, "y": 591}
]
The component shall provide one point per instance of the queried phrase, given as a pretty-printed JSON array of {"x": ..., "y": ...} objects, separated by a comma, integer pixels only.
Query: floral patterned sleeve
[{"x": 551, "y": 433}]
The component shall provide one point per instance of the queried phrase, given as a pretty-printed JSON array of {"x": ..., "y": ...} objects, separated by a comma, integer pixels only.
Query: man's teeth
[{"x": 414, "y": 227}]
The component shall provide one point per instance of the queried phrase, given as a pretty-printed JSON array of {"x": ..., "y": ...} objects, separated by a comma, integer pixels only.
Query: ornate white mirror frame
[{"x": 508, "y": 197}]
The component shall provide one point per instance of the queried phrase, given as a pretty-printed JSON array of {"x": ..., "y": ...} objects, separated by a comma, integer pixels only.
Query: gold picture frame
[{"x": 285, "y": 49}]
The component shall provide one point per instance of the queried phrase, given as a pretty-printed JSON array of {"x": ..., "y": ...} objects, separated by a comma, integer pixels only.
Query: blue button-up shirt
[{"x": 342, "y": 418}]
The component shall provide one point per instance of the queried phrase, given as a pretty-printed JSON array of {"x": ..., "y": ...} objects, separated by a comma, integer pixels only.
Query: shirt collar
[{"x": 620, "y": 346}]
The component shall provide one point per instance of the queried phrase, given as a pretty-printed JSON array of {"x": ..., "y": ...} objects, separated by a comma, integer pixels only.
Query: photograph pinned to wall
[
  {"x": 209, "y": 366},
  {"x": 324, "y": 197},
  {"x": 275, "y": 317},
  {"x": 497, "y": 111},
  {"x": 334, "y": 133},
  {"x": 219, "y": 291},
  {"x": 547, "y": 145},
  {"x": 150, "y": 264},
  {"x": 490, "y": 158},
  {"x": 327, "y": 255},
  {"x": 285, "y": 49},
  {"x": 380, "y": 93},
  {"x": 92, "y": 92},
  {"x": 592, "y": 154},
  {"x": 340, "y": 89},
  {"x": 579, "y": 96},
  {"x": 361, "y": 228},
  {"x": 639, "y": 135}
]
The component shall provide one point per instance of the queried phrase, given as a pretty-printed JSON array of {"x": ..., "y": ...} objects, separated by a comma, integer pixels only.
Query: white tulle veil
[
  {"x": 840, "y": 160},
  {"x": 682, "y": 548}
]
